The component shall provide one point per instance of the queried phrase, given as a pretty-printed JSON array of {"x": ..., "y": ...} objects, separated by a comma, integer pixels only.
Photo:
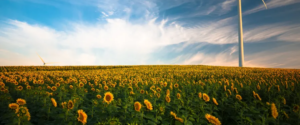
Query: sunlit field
[{"x": 154, "y": 95}]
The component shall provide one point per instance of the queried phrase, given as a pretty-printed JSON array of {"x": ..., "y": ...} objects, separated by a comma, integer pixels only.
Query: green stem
[
  {"x": 19, "y": 123},
  {"x": 92, "y": 110}
]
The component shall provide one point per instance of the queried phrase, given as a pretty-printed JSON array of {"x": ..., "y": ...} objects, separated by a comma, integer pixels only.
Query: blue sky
[{"x": 149, "y": 32}]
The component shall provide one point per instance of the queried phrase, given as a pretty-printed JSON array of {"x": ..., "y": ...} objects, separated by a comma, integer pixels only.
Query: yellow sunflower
[
  {"x": 213, "y": 120},
  {"x": 70, "y": 104},
  {"x": 215, "y": 101},
  {"x": 99, "y": 96},
  {"x": 274, "y": 110},
  {"x": 21, "y": 101},
  {"x": 168, "y": 99},
  {"x": 53, "y": 102},
  {"x": 82, "y": 116},
  {"x": 108, "y": 97},
  {"x": 206, "y": 97},
  {"x": 13, "y": 105},
  {"x": 137, "y": 106},
  {"x": 239, "y": 97},
  {"x": 148, "y": 104}
]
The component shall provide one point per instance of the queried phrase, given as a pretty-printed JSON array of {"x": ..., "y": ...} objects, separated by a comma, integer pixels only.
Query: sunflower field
[{"x": 148, "y": 95}]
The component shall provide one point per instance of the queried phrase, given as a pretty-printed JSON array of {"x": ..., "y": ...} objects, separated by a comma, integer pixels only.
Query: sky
[{"x": 149, "y": 32}]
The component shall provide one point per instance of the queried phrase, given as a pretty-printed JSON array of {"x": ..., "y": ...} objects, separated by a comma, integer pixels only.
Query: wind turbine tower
[{"x": 241, "y": 41}]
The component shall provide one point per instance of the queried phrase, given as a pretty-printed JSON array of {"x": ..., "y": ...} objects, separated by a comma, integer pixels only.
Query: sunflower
[
  {"x": 20, "y": 88},
  {"x": 81, "y": 84},
  {"x": 258, "y": 87},
  {"x": 148, "y": 104},
  {"x": 176, "y": 85},
  {"x": 254, "y": 94},
  {"x": 105, "y": 87},
  {"x": 168, "y": 99},
  {"x": 108, "y": 97},
  {"x": 158, "y": 89},
  {"x": 178, "y": 95},
  {"x": 213, "y": 120},
  {"x": 200, "y": 95},
  {"x": 53, "y": 88},
  {"x": 57, "y": 84},
  {"x": 48, "y": 87},
  {"x": 93, "y": 89},
  {"x": 142, "y": 91},
  {"x": 179, "y": 119},
  {"x": 28, "y": 87},
  {"x": 71, "y": 87},
  {"x": 284, "y": 101},
  {"x": 258, "y": 97},
  {"x": 158, "y": 95},
  {"x": 229, "y": 91},
  {"x": 82, "y": 116},
  {"x": 267, "y": 103},
  {"x": 296, "y": 108},
  {"x": 168, "y": 92},
  {"x": 236, "y": 90},
  {"x": 239, "y": 97},
  {"x": 13, "y": 106},
  {"x": 224, "y": 87},
  {"x": 53, "y": 102},
  {"x": 99, "y": 96},
  {"x": 274, "y": 111},
  {"x": 63, "y": 104},
  {"x": 215, "y": 101},
  {"x": 137, "y": 106},
  {"x": 70, "y": 104},
  {"x": 286, "y": 115},
  {"x": 206, "y": 97},
  {"x": 173, "y": 114},
  {"x": 21, "y": 101}
]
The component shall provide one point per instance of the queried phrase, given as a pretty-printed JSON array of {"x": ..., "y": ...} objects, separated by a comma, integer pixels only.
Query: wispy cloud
[{"x": 271, "y": 4}]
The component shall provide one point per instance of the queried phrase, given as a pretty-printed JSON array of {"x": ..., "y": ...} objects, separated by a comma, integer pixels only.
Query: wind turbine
[
  {"x": 241, "y": 41},
  {"x": 44, "y": 61}
]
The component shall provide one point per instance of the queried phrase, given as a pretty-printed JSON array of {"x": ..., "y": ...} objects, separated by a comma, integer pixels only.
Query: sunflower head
[
  {"x": 105, "y": 87},
  {"x": 137, "y": 106},
  {"x": 71, "y": 87},
  {"x": 176, "y": 85},
  {"x": 20, "y": 88},
  {"x": 148, "y": 104},
  {"x": 178, "y": 95},
  {"x": 81, "y": 84},
  {"x": 108, "y": 97},
  {"x": 53, "y": 88},
  {"x": 70, "y": 104},
  {"x": 215, "y": 101},
  {"x": 206, "y": 97},
  {"x": 212, "y": 119},
  {"x": 82, "y": 116},
  {"x": 168, "y": 99},
  {"x": 21, "y": 101},
  {"x": 274, "y": 111},
  {"x": 13, "y": 105},
  {"x": 57, "y": 84},
  {"x": 239, "y": 97},
  {"x": 99, "y": 96},
  {"x": 142, "y": 91},
  {"x": 53, "y": 102},
  {"x": 200, "y": 95}
]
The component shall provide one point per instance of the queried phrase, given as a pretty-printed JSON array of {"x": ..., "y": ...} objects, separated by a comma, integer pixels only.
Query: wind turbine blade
[
  {"x": 264, "y": 4},
  {"x": 40, "y": 58}
]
